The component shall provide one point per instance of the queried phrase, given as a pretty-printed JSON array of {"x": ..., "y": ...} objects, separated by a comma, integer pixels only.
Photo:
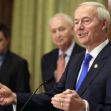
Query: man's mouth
[{"x": 82, "y": 34}]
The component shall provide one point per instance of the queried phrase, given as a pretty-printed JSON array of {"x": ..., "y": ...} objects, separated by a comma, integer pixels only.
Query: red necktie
[{"x": 60, "y": 66}]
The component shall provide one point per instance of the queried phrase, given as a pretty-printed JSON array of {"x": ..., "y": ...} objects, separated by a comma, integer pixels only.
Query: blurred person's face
[
  {"x": 3, "y": 43},
  {"x": 88, "y": 27},
  {"x": 61, "y": 32}
]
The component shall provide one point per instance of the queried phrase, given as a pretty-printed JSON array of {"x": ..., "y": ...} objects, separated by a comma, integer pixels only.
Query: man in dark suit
[
  {"x": 14, "y": 71},
  {"x": 91, "y": 24},
  {"x": 61, "y": 29}
]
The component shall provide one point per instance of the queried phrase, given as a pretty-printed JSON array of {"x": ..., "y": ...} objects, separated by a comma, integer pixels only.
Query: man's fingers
[{"x": 68, "y": 91}]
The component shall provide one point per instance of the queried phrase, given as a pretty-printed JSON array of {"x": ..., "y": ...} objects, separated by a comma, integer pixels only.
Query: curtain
[{"x": 30, "y": 34}]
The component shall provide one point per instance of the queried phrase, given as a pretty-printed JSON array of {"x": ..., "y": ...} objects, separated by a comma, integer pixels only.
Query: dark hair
[{"x": 5, "y": 30}]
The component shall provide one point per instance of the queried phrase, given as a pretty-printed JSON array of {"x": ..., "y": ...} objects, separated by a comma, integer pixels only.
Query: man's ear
[{"x": 105, "y": 26}]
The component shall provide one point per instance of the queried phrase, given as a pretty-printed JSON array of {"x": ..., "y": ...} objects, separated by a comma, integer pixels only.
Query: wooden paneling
[
  {"x": 6, "y": 7},
  {"x": 109, "y": 8}
]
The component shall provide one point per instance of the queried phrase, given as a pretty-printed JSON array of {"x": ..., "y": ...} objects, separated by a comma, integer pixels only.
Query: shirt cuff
[
  {"x": 86, "y": 105},
  {"x": 14, "y": 107}
]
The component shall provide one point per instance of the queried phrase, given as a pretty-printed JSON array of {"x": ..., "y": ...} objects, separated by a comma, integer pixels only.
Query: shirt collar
[
  {"x": 97, "y": 50},
  {"x": 68, "y": 51},
  {"x": 2, "y": 57}
]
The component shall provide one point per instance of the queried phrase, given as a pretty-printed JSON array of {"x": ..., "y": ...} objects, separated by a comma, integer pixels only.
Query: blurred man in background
[
  {"x": 14, "y": 71},
  {"x": 61, "y": 29}
]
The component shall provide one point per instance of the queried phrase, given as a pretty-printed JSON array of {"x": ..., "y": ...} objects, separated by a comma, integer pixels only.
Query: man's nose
[
  {"x": 81, "y": 26},
  {"x": 58, "y": 34}
]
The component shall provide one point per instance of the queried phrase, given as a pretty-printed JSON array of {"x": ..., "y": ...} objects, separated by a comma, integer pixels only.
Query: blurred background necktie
[
  {"x": 84, "y": 70},
  {"x": 60, "y": 66}
]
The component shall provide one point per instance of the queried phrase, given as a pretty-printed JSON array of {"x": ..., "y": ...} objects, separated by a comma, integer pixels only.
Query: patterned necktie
[
  {"x": 60, "y": 66},
  {"x": 84, "y": 70}
]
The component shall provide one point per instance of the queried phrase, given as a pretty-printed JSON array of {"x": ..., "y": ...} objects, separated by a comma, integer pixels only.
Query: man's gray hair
[
  {"x": 65, "y": 16},
  {"x": 103, "y": 13}
]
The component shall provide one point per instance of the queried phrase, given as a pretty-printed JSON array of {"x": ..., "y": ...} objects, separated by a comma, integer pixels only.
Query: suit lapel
[
  {"x": 53, "y": 64},
  {"x": 76, "y": 49},
  {"x": 95, "y": 68},
  {"x": 5, "y": 66},
  {"x": 73, "y": 70},
  {"x": 73, "y": 65}
]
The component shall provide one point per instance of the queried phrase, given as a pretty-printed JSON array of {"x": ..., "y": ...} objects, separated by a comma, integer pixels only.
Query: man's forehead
[
  {"x": 59, "y": 22},
  {"x": 85, "y": 11}
]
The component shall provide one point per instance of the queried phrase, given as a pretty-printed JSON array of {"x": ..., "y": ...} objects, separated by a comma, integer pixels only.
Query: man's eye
[
  {"x": 1, "y": 40},
  {"x": 53, "y": 31},
  {"x": 86, "y": 21},
  {"x": 61, "y": 29},
  {"x": 76, "y": 22}
]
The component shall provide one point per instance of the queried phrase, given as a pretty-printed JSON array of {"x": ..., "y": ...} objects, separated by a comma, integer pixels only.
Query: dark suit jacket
[
  {"x": 96, "y": 87},
  {"x": 49, "y": 65},
  {"x": 14, "y": 74}
]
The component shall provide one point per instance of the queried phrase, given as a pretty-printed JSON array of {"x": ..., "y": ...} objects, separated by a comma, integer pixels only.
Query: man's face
[
  {"x": 87, "y": 26},
  {"x": 3, "y": 43},
  {"x": 61, "y": 32}
]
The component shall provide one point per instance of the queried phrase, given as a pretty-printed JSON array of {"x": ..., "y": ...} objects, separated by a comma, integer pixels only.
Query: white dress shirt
[
  {"x": 68, "y": 53},
  {"x": 95, "y": 52}
]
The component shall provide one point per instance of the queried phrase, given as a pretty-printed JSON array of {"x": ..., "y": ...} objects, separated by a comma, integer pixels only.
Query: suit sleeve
[
  {"x": 23, "y": 77},
  {"x": 40, "y": 102},
  {"x": 42, "y": 67}
]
